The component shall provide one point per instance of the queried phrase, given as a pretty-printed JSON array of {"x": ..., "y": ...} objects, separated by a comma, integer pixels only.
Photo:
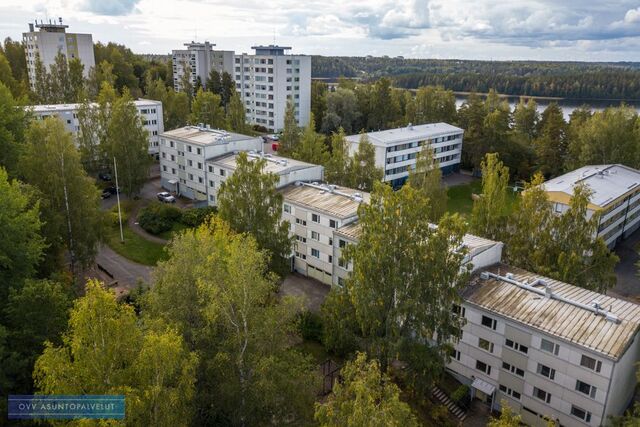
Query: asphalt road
[{"x": 628, "y": 285}]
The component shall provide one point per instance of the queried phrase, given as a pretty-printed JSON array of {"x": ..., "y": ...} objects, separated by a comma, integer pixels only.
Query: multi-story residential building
[
  {"x": 396, "y": 149},
  {"x": 183, "y": 155},
  {"x": 481, "y": 252},
  {"x": 551, "y": 350},
  {"x": 615, "y": 198},
  {"x": 150, "y": 113},
  {"x": 314, "y": 213},
  {"x": 289, "y": 171},
  {"x": 201, "y": 58},
  {"x": 268, "y": 80},
  {"x": 51, "y": 39}
]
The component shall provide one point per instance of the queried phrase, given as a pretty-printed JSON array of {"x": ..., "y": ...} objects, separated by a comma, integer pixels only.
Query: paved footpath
[{"x": 125, "y": 272}]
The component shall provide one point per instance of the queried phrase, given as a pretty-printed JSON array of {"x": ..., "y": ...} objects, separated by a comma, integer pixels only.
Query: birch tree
[
  {"x": 427, "y": 178},
  {"x": 490, "y": 209}
]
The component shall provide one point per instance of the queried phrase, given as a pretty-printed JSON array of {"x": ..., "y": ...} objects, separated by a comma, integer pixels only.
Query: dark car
[
  {"x": 105, "y": 194},
  {"x": 104, "y": 176},
  {"x": 111, "y": 190}
]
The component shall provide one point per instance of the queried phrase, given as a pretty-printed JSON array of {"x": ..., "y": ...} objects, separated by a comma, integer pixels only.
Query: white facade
[
  {"x": 268, "y": 80},
  {"x": 289, "y": 171},
  {"x": 150, "y": 112},
  {"x": 201, "y": 58},
  {"x": 51, "y": 39},
  {"x": 615, "y": 197},
  {"x": 183, "y": 155},
  {"x": 396, "y": 149},
  {"x": 546, "y": 348}
]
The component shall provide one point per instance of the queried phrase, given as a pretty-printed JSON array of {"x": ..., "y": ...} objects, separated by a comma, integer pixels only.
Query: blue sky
[{"x": 585, "y": 30}]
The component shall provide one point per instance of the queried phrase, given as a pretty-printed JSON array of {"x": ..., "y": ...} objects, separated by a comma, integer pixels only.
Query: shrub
[
  {"x": 158, "y": 217},
  {"x": 310, "y": 326},
  {"x": 195, "y": 217},
  {"x": 112, "y": 216},
  {"x": 460, "y": 394}
]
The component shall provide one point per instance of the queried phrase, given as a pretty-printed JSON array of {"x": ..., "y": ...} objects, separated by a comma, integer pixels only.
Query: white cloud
[{"x": 632, "y": 16}]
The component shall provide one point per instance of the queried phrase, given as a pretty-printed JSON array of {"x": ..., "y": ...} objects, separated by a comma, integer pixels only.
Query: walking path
[{"x": 127, "y": 273}]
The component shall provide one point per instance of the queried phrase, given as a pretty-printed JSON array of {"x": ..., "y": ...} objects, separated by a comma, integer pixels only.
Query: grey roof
[
  {"x": 407, "y": 133},
  {"x": 274, "y": 164},
  {"x": 204, "y": 136},
  {"x": 607, "y": 182},
  {"x": 339, "y": 202},
  {"x": 43, "y": 108},
  {"x": 562, "y": 313}
]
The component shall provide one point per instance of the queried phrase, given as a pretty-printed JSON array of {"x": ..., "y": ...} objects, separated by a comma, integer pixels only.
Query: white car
[{"x": 166, "y": 197}]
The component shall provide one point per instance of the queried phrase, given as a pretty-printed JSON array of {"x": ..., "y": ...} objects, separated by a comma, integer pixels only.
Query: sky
[{"x": 581, "y": 30}]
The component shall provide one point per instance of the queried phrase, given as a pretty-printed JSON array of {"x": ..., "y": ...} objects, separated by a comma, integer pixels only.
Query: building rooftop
[
  {"x": 339, "y": 202},
  {"x": 407, "y": 133},
  {"x": 600, "y": 323},
  {"x": 202, "y": 135},
  {"x": 65, "y": 107},
  {"x": 274, "y": 164},
  {"x": 607, "y": 182}
]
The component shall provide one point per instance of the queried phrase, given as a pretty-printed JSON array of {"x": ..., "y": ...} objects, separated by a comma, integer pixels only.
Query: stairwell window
[
  {"x": 546, "y": 371},
  {"x": 541, "y": 394},
  {"x": 516, "y": 346},
  {"x": 585, "y": 388},
  {"x": 591, "y": 363},
  {"x": 549, "y": 347},
  {"x": 485, "y": 345},
  {"x": 580, "y": 413},
  {"x": 483, "y": 367},
  {"x": 489, "y": 322}
]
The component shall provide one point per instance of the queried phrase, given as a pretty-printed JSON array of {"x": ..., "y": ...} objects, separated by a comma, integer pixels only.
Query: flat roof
[
  {"x": 407, "y": 133},
  {"x": 274, "y": 164},
  {"x": 204, "y": 136},
  {"x": 607, "y": 182},
  {"x": 563, "y": 313},
  {"x": 339, "y": 202},
  {"x": 43, "y": 108}
]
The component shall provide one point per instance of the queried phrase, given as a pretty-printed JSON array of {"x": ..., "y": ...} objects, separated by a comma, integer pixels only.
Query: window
[
  {"x": 333, "y": 223},
  {"x": 171, "y": 144},
  {"x": 541, "y": 394},
  {"x": 342, "y": 263},
  {"x": 301, "y": 256},
  {"x": 191, "y": 177},
  {"x": 211, "y": 183},
  {"x": 222, "y": 172},
  {"x": 342, "y": 243},
  {"x": 550, "y": 347},
  {"x": 514, "y": 370},
  {"x": 199, "y": 150},
  {"x": 585, "y": 388},
  {"x": 315, "y": 253},
  {"x": 315, "y": 235},
  {"x": 458, "y": 310},
  {"x": 188, "y": 148},
  {"x": 210, "y": 168},
  {"x": 287, "y": 208},
  {"x": 580, "y": 413},
  {"x": 330, "y": 258},
  {"x": 301, "y": 239},
  {"x": 509, "y": 392},
  {"x": 489, "y": 322},
  {"x": 546, "y": 371},
  {"x": 190, "y": 163},
  {"x": 315, "y": 218},
  {"x": 330, "y": 241},
  {"x": 591, "y": 363},
  {"x": 199, "y": 166},
  {"x": 485, "y": 345},
  {"x": 164, "y": 168},
  {"x": 301, "y": 221},
  {"x": 200, "y": 181},
  {"x": 483, "y": 367},
  {"x": 516, "y": 346}
]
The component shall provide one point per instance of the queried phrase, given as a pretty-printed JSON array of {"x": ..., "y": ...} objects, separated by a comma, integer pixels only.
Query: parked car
[
  {"x": 105, "y": 194},
  {"x": 166, "y": 197},
  {"x": 112, "y": 189},
  {"x": 104, "y": 176}
]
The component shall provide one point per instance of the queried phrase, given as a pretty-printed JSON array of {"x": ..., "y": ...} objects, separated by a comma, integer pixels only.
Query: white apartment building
[
  {"x": 289, "y": 171},
  {"x": 150, "y": 112},
  {"x": 51, "y": 39},
  {"x": 314, "y": 213},
  {"x": 615, "y": 198},
  {"x": 183, "y": 155},
  {"x": 553, "y": 351},
  {"x": 201, "y": 58},
  {"x": 397, "y": 149},
  {"x": 268, "y": 80},
  {"x": 481, "y": 252}
]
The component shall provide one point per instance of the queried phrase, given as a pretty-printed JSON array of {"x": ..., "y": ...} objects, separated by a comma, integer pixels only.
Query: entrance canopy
[
  {"x": 483, "y": 386},
  {"x": 173, "y": 181}
]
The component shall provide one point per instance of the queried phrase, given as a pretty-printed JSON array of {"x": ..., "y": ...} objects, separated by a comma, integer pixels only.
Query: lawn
[
  {"x": 135, "y": 247},
  {"x": 459, "y": 197}
]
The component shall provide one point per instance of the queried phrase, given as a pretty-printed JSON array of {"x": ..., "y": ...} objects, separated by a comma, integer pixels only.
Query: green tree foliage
[
  {"x": 13, "y": 123},
  {"x": 88, "y": 137},
  {"x": 526, "y": 117},
  {"x": 62, "y": 83},
  {"x": 127, "y": 67},
  {"x": 318, "y": 102},
  {"x": 186, "y": 86},
  {"x": 508, "y": 418},
  {"x": 560, "y": 246},
  {"x": 206, "y": 108},
  {"x": 366, "y": 397},
  {"x": 382, "y": 111},
  {"x": 399, "y": 266},
  {"x": 427, "y": 179},
  {"x": 609, "y": 136},
  {"x": 363, "y": 172},
  {"x": 489, "y": 212},
  {"x": 15, "y": 53},
  {"x": 228, "y": 88},
  {"x": 107, "y": 351},
  {"x": 175, "y": 105},
  {"x": 98, "y": 75},
  {"x": 431, "y": 105},
  {"x": 551, "y": 144},
  {"x": 236, "y": 115},
  {"x": 312, "y": 147},
  {"x": 7, "y": 78},
  {"x": 21, "y": 245},
  {"x": 471, "y": 118},
  {"x": 69, "y": 199},
  {"x": 337, "y": 167},
  {"x": 216, "y": 290},
  {"x": 249, "y": 202},
  {"x": 214, "y": 82},
  {"x": 290, "y": 138},
  {"x": 342, "y": 111}
]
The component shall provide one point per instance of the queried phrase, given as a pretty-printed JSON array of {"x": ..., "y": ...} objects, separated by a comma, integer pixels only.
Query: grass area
[
  {"x": 460, "y": 200},
  {"x": 316, "y": 350},
  {"x": 175, "y": 229},
  {"x": 135, "y": 248}
]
